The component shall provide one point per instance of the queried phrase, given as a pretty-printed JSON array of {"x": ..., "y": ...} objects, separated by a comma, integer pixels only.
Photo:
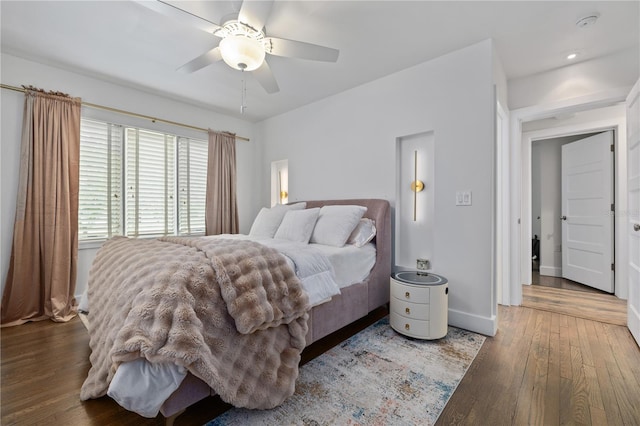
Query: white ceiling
[{"x": 125, "y": 42}]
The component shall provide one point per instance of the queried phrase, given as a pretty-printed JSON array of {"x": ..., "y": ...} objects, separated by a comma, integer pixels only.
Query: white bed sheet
[
  {"x": 351, "y": 264},
  {"x": 315, "y": 270}
]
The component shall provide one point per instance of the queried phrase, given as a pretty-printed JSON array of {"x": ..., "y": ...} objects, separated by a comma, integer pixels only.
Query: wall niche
[{"x": 415, "y": 209}]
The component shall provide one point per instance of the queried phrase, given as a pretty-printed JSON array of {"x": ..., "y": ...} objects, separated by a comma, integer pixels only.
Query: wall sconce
[
  {"x": 416, "y": 185},
  {"x": 279, "y": 188},
  {"x": 282, "y": 192}
]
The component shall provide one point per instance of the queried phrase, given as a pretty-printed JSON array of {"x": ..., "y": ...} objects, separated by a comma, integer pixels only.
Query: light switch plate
[{"x": 463, "y": 198}]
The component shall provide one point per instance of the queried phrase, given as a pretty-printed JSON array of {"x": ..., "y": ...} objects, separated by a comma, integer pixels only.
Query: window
[
  {"x": 192, "y": 185},
  {"x": 139, "y": 183}
]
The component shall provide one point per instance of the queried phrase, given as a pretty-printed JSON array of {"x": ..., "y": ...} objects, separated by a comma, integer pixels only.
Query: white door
[
  {"x": 633, "y": 209},
  {"x": 587, "y": 222}
]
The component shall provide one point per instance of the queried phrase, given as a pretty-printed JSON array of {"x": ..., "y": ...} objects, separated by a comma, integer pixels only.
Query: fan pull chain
[{"x": 243, "y": 91}]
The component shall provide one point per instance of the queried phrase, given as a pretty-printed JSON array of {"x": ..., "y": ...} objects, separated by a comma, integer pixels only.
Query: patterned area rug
[{"x": 375, "y": 377}]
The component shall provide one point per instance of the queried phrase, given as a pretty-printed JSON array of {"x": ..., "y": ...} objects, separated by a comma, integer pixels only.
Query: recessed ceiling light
[{"x": 571, "y": 56}]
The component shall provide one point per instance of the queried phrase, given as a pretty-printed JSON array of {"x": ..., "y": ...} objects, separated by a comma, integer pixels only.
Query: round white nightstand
[{"x": 419, "y": 304}]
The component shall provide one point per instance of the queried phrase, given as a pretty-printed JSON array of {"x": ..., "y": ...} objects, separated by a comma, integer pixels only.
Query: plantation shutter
[
  {"x": 150, "y": 181},
  {"x": 192, "y": 182},
  {"x": 139, "y": 183},
  {"x": 100, "y": 200}
]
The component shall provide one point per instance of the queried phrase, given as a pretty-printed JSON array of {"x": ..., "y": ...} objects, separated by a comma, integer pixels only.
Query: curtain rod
[{"x": 133, "y": 114}]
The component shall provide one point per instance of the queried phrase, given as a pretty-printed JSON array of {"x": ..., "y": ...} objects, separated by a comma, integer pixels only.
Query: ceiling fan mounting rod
[{"x": 243, "y": 96}]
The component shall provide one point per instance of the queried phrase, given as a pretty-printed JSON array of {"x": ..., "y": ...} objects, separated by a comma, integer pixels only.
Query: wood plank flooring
[
  {"x": 597, "y": 306},
  {"x": 546, "y": 368},
  {"x": 541, "y": 368},
  {"x": 553, "y": 364},
  {"x": 559, "y": 282},
  {"x": 43, "y": 365}
]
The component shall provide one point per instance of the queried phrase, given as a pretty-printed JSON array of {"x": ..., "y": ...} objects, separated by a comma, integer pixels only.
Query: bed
[{"x": 306, "y": 319}]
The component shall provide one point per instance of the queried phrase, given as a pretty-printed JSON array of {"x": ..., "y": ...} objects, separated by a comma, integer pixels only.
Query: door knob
[
  {"x": 636, "y": 227},
  {"x": 563, "y": 217}
]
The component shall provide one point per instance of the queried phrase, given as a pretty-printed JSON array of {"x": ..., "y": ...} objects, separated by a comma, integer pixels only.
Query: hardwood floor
[
  {"x": 541, "y": 368},
  {"x": 44, "y": 364},
  {"x": 558, "y": 282},
  {"x": 550, "y": 369},
  {"x": 552, "y": 365},
  {"x": 599, "y": 307},
  {"x": 549, "y": 293}
]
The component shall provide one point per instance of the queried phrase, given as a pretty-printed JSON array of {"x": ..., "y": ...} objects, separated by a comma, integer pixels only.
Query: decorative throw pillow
[
  {"x": 297, "y": 225},
  {"x": 267, "y": 221},
  {"x": 364, "y": 232},
  {"x": 336, "y": 223}
]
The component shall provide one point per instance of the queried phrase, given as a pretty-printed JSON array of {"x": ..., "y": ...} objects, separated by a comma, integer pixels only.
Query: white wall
[
  {"x": 345, "y": 146},
  {"x": 500, "y": 197},
  {"x": 550, "y": 208},
  {"x": 17, "y": 71},
  {"x": 414, "y": 235},
  {"x": 595, "y": 76},
  {"x": 500, "y": 80}
]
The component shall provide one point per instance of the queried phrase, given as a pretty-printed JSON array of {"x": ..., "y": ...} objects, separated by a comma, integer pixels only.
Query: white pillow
[
  {"x": 297, "y": 225},
  {"x": 335, "y": 224},
  {"x": 364, "y": 232},
  {"x": 267, "y": 221}
]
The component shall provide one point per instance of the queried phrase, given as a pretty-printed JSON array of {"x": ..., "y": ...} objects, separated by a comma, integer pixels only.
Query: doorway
[
  {"x": 531, "y": 124},
  {"x": 572, "y": 244}
]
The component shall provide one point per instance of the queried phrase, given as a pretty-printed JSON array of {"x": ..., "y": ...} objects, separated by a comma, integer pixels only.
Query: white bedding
[
  {"x": 351, "y": 264},
  {"x": 314, "y": 269},
  {"x": 322, "y": 269}
]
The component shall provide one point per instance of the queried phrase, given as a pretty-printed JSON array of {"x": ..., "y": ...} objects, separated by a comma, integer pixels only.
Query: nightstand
[{"x": 419, "y": 304}]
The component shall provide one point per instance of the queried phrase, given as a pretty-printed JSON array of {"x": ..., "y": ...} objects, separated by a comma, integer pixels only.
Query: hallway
[{"x": 563, "y": 296}]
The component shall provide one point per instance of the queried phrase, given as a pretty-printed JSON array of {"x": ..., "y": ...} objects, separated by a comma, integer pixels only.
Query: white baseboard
[
  {"x": 551, "y": 271},
  {"x": 475, "y": 323}
]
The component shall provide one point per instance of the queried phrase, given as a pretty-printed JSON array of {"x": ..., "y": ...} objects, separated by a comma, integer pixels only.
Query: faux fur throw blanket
[{"x": 232, "y": 312}]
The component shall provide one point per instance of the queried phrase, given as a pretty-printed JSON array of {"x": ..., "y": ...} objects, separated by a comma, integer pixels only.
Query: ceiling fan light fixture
[{"x": 242, "y": 52}]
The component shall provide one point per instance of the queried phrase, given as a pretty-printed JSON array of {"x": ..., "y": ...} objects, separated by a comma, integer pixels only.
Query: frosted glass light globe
[{"x": 241, "y": 52}]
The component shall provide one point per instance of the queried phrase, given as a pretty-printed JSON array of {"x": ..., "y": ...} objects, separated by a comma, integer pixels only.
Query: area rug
[{"x": 376, "y": 377}]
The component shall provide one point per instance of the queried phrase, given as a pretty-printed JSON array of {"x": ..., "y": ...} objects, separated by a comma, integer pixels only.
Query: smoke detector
[{"x": 587, "y": 21}]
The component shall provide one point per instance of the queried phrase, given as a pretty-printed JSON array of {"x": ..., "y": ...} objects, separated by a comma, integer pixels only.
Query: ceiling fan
[{"x": 242, "y": 42}]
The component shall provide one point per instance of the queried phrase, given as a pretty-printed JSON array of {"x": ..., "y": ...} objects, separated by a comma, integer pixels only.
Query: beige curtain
[
  {"x": 41, "y": 280},
  {"x": 221, "y": 211}
]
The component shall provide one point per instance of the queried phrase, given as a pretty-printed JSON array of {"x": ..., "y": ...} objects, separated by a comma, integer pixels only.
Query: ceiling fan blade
[
  {"x": 167, "y": 9},
  {"x": 299, "y": 49},
  {"x": 255, "y": 13},
  {"x": 266, "y": 79},
  {"x": 202, "y": 61}
]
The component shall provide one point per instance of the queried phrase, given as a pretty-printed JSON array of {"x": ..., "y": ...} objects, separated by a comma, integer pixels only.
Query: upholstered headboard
[{"x": 380, "y": 212}]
